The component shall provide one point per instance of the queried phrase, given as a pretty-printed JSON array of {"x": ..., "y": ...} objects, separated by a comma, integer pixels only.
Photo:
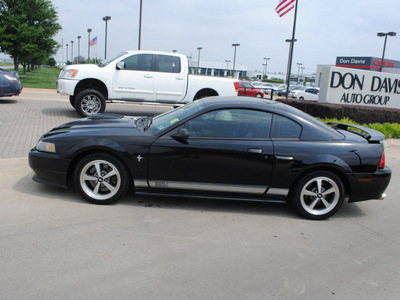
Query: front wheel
[
  {"x": 101, "y": 178},
  {"x": 90, "y": 102},
  {"x": 258, "y": 95},
  {"x": 319, "y": 195}
]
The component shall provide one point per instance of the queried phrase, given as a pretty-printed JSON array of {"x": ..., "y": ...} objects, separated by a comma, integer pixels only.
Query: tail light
[
  {"x": 236, "y": 84},
  {"x": 382, "y": 162}
]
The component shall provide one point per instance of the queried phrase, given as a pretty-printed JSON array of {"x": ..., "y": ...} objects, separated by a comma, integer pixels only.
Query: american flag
[
  {"x": 284, "y": 7},
  {"x": 93, "y": 41}
]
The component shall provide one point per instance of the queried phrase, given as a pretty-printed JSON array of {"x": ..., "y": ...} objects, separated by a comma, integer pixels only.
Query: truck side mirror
[{"x": 121, "y": 65}]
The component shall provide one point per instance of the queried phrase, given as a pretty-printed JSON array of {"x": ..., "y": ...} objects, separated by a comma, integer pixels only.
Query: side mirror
[
  {"x": 121, "y": 65},
  {"x": 181, "y": 136}
]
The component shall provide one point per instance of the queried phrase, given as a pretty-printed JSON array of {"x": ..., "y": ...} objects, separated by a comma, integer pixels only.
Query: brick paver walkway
[{"x": 23, "y": 119}]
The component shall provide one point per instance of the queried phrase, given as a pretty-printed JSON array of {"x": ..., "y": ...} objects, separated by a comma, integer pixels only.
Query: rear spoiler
[{"x": 369, "y": 134}]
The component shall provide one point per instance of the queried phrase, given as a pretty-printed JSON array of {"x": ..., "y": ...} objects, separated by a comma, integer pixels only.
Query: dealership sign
[{"x": 362, "y": 88}]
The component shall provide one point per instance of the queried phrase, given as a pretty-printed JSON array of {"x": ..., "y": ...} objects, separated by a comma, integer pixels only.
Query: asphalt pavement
[{"x": 54, "y": 245}]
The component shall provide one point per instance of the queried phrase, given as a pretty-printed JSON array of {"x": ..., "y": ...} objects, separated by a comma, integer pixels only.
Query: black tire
[
  {"x": 72, "y": 100},
  {"x": 318, "y": 195},
  {"x": 301, "y": 98},
  {"x": 90, "y": 102},
  {"x": 259, "y": 95},
  {"x": 107, "y": 188}
]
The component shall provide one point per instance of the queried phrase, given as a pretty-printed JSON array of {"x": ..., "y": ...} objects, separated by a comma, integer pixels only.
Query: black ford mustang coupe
[{"x": 229, "y": 148}]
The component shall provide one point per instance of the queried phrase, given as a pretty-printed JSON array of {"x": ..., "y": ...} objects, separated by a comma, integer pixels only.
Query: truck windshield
[
  {"x": 171, "y": 117},
  {"x": 107, "y": 61}
]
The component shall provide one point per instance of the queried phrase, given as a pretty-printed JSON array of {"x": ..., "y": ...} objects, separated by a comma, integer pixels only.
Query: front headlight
[
  {"x": 11, "y": 78},
  {"x": 70, "y": 73},
  {"x": 46, "y": 147}
]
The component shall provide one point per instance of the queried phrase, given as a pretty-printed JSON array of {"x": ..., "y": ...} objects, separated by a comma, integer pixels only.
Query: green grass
[
  {"x": 43, "y": 78},
  {"x": 390, "y": 130}
]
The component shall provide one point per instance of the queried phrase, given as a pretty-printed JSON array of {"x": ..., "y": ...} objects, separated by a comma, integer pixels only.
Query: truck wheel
[{"x": 90, "y": 102}]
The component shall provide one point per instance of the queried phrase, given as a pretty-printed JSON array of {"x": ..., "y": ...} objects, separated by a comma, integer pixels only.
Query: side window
[
  {"x": 231, "y": 123},
  {"x": 169, "y": 64},
  {"x": 284, "y": 128},
  {"x": 139, "y": 62}
]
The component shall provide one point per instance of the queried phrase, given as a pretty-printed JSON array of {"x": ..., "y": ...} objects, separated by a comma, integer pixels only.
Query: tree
[{"x": 26, "y": 30}]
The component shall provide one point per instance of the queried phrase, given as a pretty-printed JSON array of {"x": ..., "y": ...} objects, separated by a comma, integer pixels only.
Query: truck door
[
  {"x": 134, "y": 79},
  {"x": 170, "y": 78}
]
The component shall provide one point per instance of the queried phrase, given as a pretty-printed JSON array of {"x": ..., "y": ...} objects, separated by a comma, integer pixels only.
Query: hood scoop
[{"x": 105, "y": 117}]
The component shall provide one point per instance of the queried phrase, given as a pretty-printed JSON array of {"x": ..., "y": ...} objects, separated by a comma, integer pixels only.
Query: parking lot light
[
  {"x": 381, "y": 34},
  {"x": 106, "y": 19},
  {"x": 198, "y": 60},
  {"x": 234, "y": 59},
  {"x": 89, "y": 31}
]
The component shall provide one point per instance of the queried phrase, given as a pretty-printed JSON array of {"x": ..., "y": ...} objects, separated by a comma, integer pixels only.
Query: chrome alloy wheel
[
  {"x": 100, "y": 179},
  {"x": 90, "y": 104},
  {"x": 319, "y": 196}
]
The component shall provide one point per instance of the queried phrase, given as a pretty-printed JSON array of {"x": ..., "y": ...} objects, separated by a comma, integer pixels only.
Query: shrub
[{"x": 361, "y": 115}]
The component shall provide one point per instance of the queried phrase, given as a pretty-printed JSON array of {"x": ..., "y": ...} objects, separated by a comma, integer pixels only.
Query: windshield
[
  {"x": 107, "y": 61},
  {"x": 169, "y": 118}
]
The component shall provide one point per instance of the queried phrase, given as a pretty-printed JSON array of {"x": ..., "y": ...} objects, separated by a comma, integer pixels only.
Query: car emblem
[{"x": 139, "y": 158}]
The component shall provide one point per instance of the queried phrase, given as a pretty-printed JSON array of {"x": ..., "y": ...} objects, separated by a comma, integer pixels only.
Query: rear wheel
[
  {"x": 318, "y": 195},
  {"x": 90, "y": 102},
  {"x": 101, "y": 178},
  {"x": 301, "y": 98}
]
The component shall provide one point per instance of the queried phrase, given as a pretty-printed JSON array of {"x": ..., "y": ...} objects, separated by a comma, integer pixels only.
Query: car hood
[{"x": 101, "y": 124}]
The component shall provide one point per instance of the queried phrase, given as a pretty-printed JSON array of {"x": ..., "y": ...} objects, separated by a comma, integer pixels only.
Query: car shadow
[
  {"x": 27, "y": 186},
  {"x": 57, "y": 112},
  {"x": 7, "y": 101}
]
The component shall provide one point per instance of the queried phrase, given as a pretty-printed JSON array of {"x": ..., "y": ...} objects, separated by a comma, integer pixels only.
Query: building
[
  {"x": 220, "y": 69},
  {"x": 368, "y": 63}
]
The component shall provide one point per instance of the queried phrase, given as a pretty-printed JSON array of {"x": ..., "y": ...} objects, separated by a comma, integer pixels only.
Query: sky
[{"x": 324, "y": 30}]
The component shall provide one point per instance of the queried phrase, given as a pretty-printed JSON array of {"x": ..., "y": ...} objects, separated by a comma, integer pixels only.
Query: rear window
[
  {"x": 168, "y": 64},
  {"x": 285, "y": 128}
]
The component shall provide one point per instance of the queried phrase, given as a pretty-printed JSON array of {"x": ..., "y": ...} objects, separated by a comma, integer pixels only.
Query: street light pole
[
  {"x": 298, "y": 72},
  {"x": 266, "y": 65},
  {"x": 72, "y": 51},
  {"x": 227, "y": 66},
  {"x": 89, "y": 31},
  {"x": 234, "y": 59},
  {"x": 198, "y": 60},
  {"x": 79, "y": 46},
  {"x": 140, "y": 25},
  {"x": 106, "y": 19},
  {"x": 67, "y": 52},
  {"x": 391, "y": 33}
]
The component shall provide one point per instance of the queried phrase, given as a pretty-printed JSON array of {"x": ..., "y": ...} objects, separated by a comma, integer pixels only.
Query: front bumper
[
  {"x": 49, "y": 168},
  {"x": 66, "y": 86},
  {"x": 12, "y": 89},
  {"x": 369, "y": 186}
]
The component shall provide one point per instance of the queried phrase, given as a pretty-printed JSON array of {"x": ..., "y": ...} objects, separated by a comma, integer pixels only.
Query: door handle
[
  {"x": 179, "y": 78},
  {"x": 287, "y": 158},
  {"x": 255, "y": 150},
  {"x": 148, "y": 76}
]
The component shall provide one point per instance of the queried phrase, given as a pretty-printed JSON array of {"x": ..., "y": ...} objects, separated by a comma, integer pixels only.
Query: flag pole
[{"x": 289, "y": 67}]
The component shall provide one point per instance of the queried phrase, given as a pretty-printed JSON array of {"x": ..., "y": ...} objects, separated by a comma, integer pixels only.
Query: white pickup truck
[{"x": 138, "y": 76}]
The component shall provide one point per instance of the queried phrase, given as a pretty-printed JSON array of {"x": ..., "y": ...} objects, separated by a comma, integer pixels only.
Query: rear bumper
[{"x": 369, "y": 186}]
